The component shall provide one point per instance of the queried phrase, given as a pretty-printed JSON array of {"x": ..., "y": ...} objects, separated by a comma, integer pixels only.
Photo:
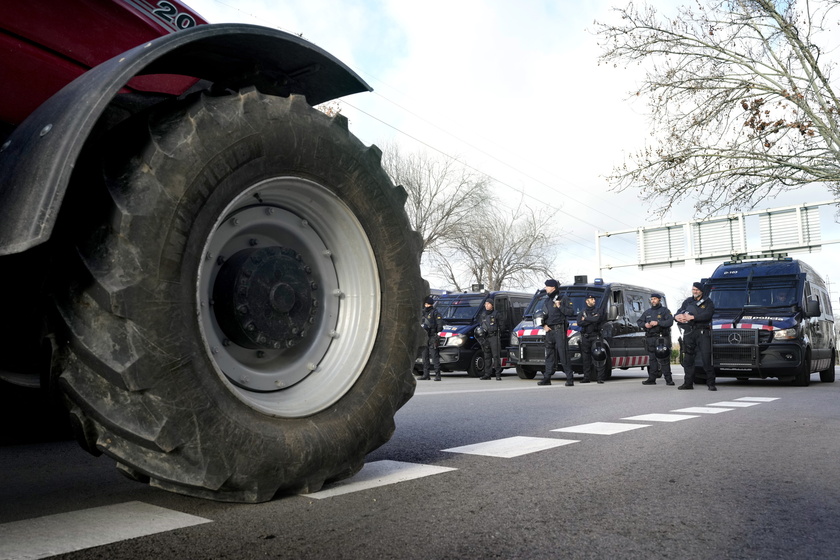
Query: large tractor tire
[{"x": 242, "y": 320}]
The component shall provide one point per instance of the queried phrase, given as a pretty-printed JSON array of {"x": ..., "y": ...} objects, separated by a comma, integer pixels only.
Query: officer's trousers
[
  {"x": 491, "y": 347},
  {"x": 557, "y": 348},
  {"x": 658, "y": 367},
  {"x": 698, "y": 341},
  {"x": 586, "y": 343},
  {"x": 431, "y": 351}
]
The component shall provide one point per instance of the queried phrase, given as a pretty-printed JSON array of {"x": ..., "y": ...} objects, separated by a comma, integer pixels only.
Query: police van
[
  {"x": 772, "y": 318},
  {"x": 623, "y": 339},
  {"x": 459, "y": 350}
]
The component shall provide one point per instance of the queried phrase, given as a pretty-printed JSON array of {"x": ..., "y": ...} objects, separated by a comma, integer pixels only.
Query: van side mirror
[
  {"x": 812, "y": 307},
  {"x": 612, "y": 313}
]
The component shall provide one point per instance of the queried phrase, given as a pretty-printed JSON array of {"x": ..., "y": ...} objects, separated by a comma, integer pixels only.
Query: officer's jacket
[
  {"x": 432, "y": 321},
  {"x": 590, "y": 320},
  {"x": 490, "y": 321},
  {"x": 554, "y": 315},
  {"x": 702, "y": 309},
  {"x": 660, "y": 314}
]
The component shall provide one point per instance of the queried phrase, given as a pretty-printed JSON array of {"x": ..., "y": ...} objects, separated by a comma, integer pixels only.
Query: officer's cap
[
  {"x": 591, "y": 296},
  {"x": 552, "y": 282},
  {"x": 430, "y": 300},
  {"x": 658, "y": 296},
  {"x": 698, "y": 285}
]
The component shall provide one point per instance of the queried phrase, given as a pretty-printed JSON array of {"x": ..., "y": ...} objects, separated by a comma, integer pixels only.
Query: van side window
[
  {"x": 618, "y": 300},
  {"x": 518, "y": 306},
  {"x": 827, "y": 305},
  {"x": 502, "y": 306},
  {"x": 633, "y": 306}
]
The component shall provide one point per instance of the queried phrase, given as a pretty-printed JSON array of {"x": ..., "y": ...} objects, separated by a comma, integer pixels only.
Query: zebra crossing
[
  {"x": 383, "y": 473},
  {"x": 56, "y": 534}
]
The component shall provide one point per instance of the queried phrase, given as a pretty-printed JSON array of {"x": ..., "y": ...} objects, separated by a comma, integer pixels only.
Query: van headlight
[
  {"x": 514, "y": 340},
  {"x": 457, "y": 340},
  {"x": 574, "y": 340},
  {"x": 785, "y": 334}
]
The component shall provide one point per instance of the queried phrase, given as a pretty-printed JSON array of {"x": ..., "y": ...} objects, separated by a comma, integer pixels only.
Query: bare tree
[
  {"x": 741, "y": 99},
  {"x": 504, "y": 250},
  {"x": 442, "y": 193}
]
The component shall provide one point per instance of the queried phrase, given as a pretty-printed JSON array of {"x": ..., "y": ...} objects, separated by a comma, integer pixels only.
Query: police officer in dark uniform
[
  {"x": 590, "y": 321},
  {"x": 487, "y": 333},
  {"x": 555, "y": 328},
  {"x": 695, "y": 317},
  {"x": 432, "y": 323},
  {"x": 657, "y": 322}
]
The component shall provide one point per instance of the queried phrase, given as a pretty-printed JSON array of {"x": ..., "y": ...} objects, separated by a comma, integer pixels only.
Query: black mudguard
[{"x": 38, "y": 158}]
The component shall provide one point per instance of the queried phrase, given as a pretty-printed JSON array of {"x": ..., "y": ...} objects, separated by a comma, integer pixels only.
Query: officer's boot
[
  {"x": 546, "y": 380},
  {"x": 570, "y": 379},
  {"x": 437, "y": 376},
  {"x": 425, "y": 375},
  {"x": 499, "y": 374}
]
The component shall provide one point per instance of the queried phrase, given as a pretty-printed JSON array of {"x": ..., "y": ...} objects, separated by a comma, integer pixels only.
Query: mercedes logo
[{"x": 734, "y": 338}]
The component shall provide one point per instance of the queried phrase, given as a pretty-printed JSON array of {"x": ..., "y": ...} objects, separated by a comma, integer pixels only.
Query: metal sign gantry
[{"x": 789, "y": 229}]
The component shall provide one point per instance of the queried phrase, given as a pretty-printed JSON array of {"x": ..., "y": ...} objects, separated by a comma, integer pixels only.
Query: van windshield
[
  {"x": 759, "y": 294},
  {"x": 577, "y": 296},
  {"x": 460, "y": 308}
]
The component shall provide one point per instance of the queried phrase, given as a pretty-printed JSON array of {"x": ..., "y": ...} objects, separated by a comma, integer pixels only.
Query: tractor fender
[{"x": 37, "y": 159}]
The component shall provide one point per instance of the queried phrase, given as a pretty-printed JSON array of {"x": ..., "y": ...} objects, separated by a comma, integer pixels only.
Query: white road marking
[
  {"x": 703, "y": 409},
  {"x": 758, "y": 399},
  {"x": 378, "y": 473},
  {"x": 733, "y": 403},
  {"x": 511, "y": 447},
  {"x": 602, "y": 428},
  {"x": 77, "y": 530},
  {"x": 660, "y": 417}
]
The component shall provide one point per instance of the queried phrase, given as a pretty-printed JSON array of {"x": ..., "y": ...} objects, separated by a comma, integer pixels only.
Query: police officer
[
  {"x": 590, "y": 321},
  {"x": 487, "y": 333},
  {"x": 657, "y": 322},
  {"x": 432, "y": 323},
  {"x": 555, "y": 334},
  {"x": 695, "y": 317}
]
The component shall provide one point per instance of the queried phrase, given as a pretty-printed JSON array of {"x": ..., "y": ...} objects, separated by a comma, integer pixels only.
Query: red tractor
[{"x": 219, "y": 280}]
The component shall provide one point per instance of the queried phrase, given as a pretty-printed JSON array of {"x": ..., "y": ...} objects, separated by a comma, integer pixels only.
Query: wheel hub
[{"x": 263, "y": 298}]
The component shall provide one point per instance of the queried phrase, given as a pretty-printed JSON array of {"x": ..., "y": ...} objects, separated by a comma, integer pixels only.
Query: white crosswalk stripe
[
  {"x": 601, "y": 428},
  {"x": 658, "y": 417},
  {"x": 66, "y": 532},
  {"x": 703, "y": 410},
  {"x": 511, "y": 447},
  {"x": 379, "y": 473}
]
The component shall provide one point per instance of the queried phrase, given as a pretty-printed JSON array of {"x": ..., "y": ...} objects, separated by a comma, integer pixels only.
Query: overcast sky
[{"x": 514, "y": 90}]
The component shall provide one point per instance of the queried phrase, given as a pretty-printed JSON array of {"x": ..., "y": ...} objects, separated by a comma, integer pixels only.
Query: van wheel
[
  {"x": 476, "y": 367},
  {"x": 803, "y": 374},
  {"x": 526, "y": 372},
  {"x": 237, "y": 313},
  {"x": 827, "y": 375}
]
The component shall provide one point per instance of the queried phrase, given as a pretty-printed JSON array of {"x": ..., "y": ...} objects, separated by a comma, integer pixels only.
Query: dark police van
[
  {"x": 459, "y": 350},
  {"x": 772, "y": 318},
  {"x": 624, "y": 340}
]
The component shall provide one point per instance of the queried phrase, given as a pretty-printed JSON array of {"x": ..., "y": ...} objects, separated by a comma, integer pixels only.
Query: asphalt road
[{"x": 753, "y": 479}]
